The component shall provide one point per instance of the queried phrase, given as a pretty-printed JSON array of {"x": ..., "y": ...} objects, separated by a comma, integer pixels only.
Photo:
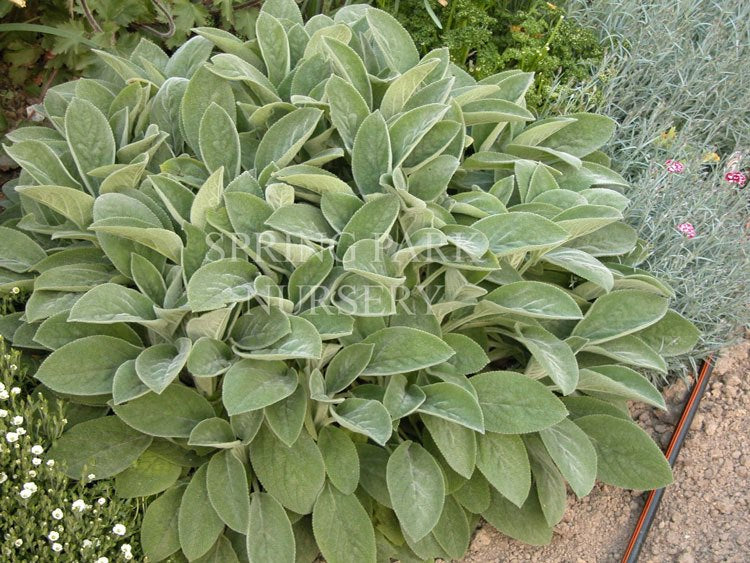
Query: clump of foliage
[
  {"x": 685, "y": 111},
  {"x": 46, "y": 516},
  {"x": 489, "y": 36},
  {"x": 332, "y": 297}
]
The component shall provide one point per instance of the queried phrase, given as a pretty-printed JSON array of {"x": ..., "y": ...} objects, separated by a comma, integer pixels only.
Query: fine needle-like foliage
[{"x": 331, "y": 297}]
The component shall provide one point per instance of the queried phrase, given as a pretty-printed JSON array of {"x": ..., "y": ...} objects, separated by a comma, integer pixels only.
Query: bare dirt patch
[{"x": 704, "y": 515}]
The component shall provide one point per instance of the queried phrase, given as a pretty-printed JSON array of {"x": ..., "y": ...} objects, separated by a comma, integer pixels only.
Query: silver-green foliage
[{"x": 333, "y": 297}]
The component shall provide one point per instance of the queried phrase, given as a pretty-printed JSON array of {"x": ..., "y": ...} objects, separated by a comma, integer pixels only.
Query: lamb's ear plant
[{"x": 331, "y": 297}]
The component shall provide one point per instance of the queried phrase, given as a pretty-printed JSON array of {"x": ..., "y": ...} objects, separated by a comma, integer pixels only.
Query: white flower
[
  {"x": 56, "y": 547},
  {"x": 17, "y": 420},
  {"x": 57, "y": 514},
  {"x": 30, "y": 486},
  {"x": 16, "y": 290},
  {"x": 26, "y": 493},
  {"x": 3, "y": 477},
  {"x": 102, "y": 560},
  {"x": 91, "y": 476},
  {"x": 3, "y": 394},
  {"x": 13, "y": 367},
  {"x": 20, "y": 431},
  {"x": 101, "y": 501},
  {"x": 36, "y": 461},
  {"x": 2, "y": 386},
  {"x": 50, "y": 462},
  {"x": 3, "y": 413},
  {"x": 53, "y": 536},
  {"x": 11, "y": 437},
  {"x": 87, "y": 543},
  {"x": 119, "y": 530},
  {"x": 125, "y": 548},
  {"x": 15, "y": 390},
  {"x": 18, "y": 542},
  {"x": 79, "y": 505},
  {"x": 127, "y": 556},
  {"x": 37, "y": 449}
]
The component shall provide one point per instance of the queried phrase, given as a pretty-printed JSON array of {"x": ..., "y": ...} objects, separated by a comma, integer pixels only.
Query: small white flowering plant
[{"x": 46, "y": 515}]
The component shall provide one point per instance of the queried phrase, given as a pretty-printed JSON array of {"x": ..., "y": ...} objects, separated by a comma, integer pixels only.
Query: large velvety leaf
[
  {"x": 549, "y": 483},
  {"x": 159, "y": 532},
  {"x": 627, "y": 457},
  {"x": 457, "y": 443},
  {"x": 365, "y": 416},
  {"x": 620, "y": 313},
  {"x": 520, "y": 231},
  {"x": 342, "y": 527},
  {"x": 416, "y": 488},
  {"x": 18, "y": 251},
  {"x": 226, "y": 483},
  {"x": 453, "y": 402},
  {"x": 526, "y": 524},
  {"x": 581, "y": 264},
  {"x": 287, "y": 416},
  {"x": 285, "y": 138},
  {"x": 89, "y": 137},
  {"x": 303, "y": 341},
  {"x": 503, "y": 460},
  {"x": 403, "y": 349},
  {"x": 159, "y": 365},
  {"x": 101, "y": 446},
  {"x": 588, "y": 133},
  {"x": 251, "y": 385},
  {"x": 270, "y": 538},
  {"x": 220, "y": 283},
  {"x": 348, "y": 110},
  {"x": 149, "y": 475},
  {"x": 76, "y": 205},
  {"x": 340, "y": 457},
  {"x": 203, "y": 90},
  {"x": 452, "y": 531},
  {"x": 112, "y": 303},
  {"x": 401, "y": 398},
  {"x": 86, "y": 366},
  {"x": 554, "y": 356},
  {"x": 393, "y": 40},
  {"x": 302, "y": 220},
  {"x": 219, "y": 141},
  {"x": 371, "y": 154},
  {"x": 673, "y": 335},
  {"x": 535, "y": 299},
  {"x": 620, "y": 381},
  {"x": 197, "y": 522},
  {"x": 573, "y": 454},
  {"x": 294, "y": 474},
  {"x": 347, "y": 365},
  {"x": 172, "y": 414},
  {"x": 514, "y": 404}
]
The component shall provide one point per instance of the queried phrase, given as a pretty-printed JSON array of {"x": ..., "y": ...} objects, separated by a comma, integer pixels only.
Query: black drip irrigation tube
[{"x": 646, "y": 519}]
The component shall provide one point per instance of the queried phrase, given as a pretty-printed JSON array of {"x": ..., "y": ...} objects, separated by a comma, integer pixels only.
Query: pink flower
[
  {"x": 675, "y": 166},
  {"x": 736, "y": 178},
  {"x": 687, "y": 229}
]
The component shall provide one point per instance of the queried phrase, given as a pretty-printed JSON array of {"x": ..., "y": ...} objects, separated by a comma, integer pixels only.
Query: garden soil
[{"x": 704, "y": 516}]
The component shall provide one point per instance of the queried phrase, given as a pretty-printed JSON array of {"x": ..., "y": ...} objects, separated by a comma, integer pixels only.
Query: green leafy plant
[
  {"x": 488, "y": 37},
  {"x": 332, "y": 297}
]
